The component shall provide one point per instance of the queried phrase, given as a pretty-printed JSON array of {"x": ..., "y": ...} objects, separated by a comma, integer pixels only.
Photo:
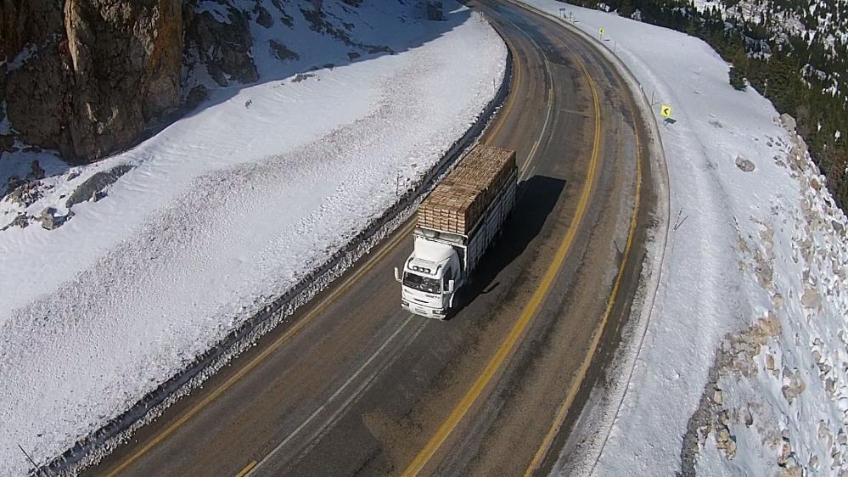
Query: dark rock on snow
[{"x": 94, "y": 186}]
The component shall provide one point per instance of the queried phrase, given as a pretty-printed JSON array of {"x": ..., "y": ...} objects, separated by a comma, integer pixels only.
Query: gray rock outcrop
[
  {"x": 86, "y": 76},
  {"x": 95, "y": 185},
  {"x": 223, "y": 46}
]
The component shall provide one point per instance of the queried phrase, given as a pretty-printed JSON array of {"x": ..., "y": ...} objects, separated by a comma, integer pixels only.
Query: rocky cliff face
[
  {"x": 86, "y": 76},
  {"x": 223, "y": 44}
]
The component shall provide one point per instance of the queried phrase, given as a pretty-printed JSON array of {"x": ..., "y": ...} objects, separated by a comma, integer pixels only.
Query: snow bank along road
[
  {"x": 224, "y": 210},
  {"x": 354, "y": 385},
  {"x": 742, "y": 367}
]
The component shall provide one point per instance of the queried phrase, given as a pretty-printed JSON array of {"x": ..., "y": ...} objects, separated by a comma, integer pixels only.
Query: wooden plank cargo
[{"x": 458, "y": 203}]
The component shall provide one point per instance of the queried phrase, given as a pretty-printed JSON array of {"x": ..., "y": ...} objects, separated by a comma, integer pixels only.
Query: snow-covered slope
[
  {"x": 222, "y": 211},
  {"x": 743, "y": 369},
  {"x": 826, "y": 20}
]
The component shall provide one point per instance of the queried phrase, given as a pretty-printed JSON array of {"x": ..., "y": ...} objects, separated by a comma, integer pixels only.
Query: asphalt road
[{"x": 353, "y": 385}]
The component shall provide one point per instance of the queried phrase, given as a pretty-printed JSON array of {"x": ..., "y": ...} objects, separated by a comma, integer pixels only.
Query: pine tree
[{"x": 737, "y": 79}]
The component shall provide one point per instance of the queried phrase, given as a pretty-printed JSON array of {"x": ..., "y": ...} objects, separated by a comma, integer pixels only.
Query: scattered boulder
[
  {"x": 262, "y": 16},
  {"x": 744, "y": 164},
  {"x": 301, "y": 77},
  {"x": 724, "y": 418},
  {"x": 830, "y": 386},
  {"x": 794, "y": 386},
  {"x": 813, "y": 462},
  {"x": 768, "y": 326},
  {"x": 13, "y": 183},
  {"x": 788, "y": 122},
  {"x": 224, "y": 47},
  {"x": 791, "y": 472},
  {"x": 811, "y": 298},
  {"x": 36, "y": 172},
  {"x": 374, "y": 49},
  {"x": 23, "y": 193},
  {"x": 7, "y": 142},
  {"x": 435, "y": 11},
  {"x": 285, "y": 18},
  {"x": 788, "y": 461},
  {"x": 785, "y": 453},
  {"x": 21, "y": 220},
  {"x": 778, "y": 301},
  {"x": 770, "y": 364},
  {"x": 93, "y": 187},
  {"x": 48, "y": 219},
  {"x": 726, "y": 442},
  {"x": 197, "y": 95},
  {"x": 281, "y": 52}
]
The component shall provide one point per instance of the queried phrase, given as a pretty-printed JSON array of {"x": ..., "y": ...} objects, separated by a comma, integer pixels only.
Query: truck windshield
[{"x": 428, "y": 285}]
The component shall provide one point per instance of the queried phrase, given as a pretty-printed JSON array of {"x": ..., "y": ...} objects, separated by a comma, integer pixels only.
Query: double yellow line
[
  {"x": 510, "y": 101},
  {"x": 510, "y": 342},
  {"x": 562, "y": 412},
  {"x": 397, "y": 238}
]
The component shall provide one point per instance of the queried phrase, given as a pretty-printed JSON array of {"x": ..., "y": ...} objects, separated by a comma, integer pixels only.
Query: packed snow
[
  {"x": 222, "y": 211},
  {"x": 743, "y": 368}
]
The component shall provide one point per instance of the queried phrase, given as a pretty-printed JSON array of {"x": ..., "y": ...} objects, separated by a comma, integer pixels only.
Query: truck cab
[{"x": 430, "y": 278}]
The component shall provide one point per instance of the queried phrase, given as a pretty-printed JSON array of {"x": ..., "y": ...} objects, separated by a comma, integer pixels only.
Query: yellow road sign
[
  {"x": 601, "y": 30},
  {"x": 665, "y": 111}
]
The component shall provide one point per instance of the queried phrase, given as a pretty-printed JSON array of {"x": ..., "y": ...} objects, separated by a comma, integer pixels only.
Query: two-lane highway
[{"x": 353, "y": 385}]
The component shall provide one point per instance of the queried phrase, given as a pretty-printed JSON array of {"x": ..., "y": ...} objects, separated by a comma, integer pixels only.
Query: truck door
[{"x": 445, "y": 282}]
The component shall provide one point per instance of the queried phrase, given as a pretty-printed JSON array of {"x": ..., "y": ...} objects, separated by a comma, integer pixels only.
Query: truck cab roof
[{"x": 429, "y": 256}]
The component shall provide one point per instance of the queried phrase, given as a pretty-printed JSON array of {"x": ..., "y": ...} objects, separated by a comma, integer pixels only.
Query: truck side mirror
[
  {"x": 397, "y": 275},
  {"x": 450, "y": 286}
]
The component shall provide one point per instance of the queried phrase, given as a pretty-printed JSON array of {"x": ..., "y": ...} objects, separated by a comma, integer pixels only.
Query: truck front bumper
[{"x": 425, "y": 311}]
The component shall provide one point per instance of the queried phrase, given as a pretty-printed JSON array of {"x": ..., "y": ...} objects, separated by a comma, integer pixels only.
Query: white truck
[{"x": 457, "y": 223}]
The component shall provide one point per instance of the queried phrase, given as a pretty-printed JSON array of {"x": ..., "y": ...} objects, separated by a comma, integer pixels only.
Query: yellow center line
[
  {"x": 302, "y": 323},
  {"x": 501, "y": 119},
  {"x": 562, "y": 412},
  {"x": 524, "y": 319},
  {"x": 246, "y": 469}
]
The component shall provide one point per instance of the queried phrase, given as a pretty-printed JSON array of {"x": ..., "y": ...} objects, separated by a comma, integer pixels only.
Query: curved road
[{"x": 353, "y": 385}]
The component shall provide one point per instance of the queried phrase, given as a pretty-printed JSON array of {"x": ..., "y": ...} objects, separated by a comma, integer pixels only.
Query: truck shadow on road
[{"x": 537, "y": 198}]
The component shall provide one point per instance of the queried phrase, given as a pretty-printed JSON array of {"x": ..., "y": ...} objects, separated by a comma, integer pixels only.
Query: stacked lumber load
[{"x": 461, "y": 199}]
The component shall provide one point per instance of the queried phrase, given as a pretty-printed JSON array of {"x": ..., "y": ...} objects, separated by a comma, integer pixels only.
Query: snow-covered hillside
[
  {"x": 742, "y": 368},
  {"x": 826, "y": 20},
  {"x": 113, "y": 288}
]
